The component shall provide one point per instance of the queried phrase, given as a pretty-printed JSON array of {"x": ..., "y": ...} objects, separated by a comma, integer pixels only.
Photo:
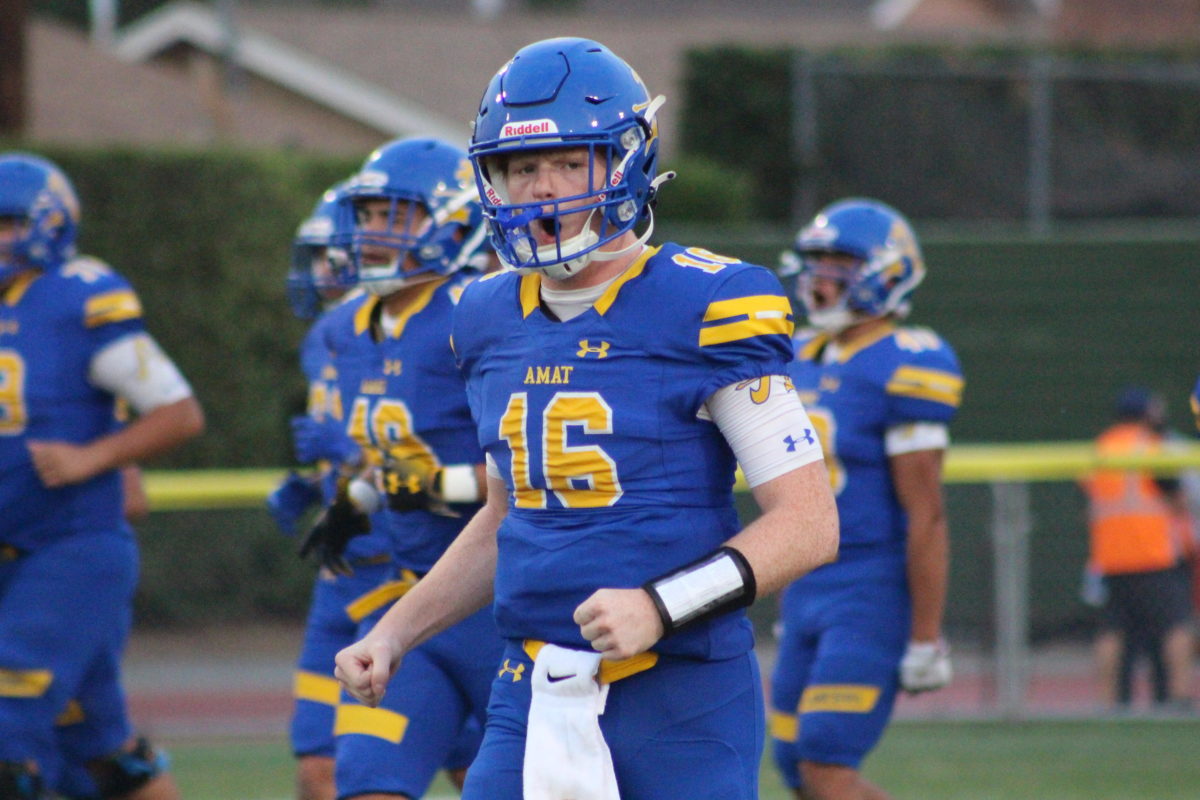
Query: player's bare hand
[
  {"x": 62, "y": 463},
  {"x": 619, "y": 622},
  {"x": 365, "y": 667}
]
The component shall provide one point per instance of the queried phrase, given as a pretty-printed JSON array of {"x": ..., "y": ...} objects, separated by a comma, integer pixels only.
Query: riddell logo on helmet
[{"x": 530, "y": 128}]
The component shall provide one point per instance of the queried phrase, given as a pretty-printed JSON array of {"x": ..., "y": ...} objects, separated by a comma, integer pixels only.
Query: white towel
[{"x": 566, "y": 757}]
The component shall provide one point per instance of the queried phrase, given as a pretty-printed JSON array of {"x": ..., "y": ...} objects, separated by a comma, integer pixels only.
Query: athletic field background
[
  {"x": 219, "y": 700},
  {"x": 917, "y": 760}
]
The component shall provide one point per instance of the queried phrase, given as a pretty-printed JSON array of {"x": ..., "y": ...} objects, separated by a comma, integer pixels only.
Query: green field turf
[{"x": 1092, "y": 760}]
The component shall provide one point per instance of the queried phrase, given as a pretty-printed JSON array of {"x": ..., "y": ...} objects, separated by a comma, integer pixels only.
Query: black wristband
[{"x": 716, "y": 584}]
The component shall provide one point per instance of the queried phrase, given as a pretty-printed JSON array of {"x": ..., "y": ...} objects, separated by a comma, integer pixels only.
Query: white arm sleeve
[
  {"x": 770, "y": 435},
  {"x": 914, "y": 436},
  {"x": 493, "y": 471},
  {"x": 136, "y": 369}
]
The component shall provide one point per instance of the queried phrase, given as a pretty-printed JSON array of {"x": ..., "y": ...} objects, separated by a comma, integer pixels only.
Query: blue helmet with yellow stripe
[
  {"x": 39, "y": 206},
  {"x": 433, "y": 221},
  {"x": 567, "y": 93},
  {"x": 887, "y": 265}
]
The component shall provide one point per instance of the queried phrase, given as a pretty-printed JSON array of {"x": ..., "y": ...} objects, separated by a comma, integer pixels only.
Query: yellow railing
[{"x": 179, "y": 490}]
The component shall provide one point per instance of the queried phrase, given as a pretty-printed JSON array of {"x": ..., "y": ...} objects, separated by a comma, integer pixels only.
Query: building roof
[{"x": 342, "y": 80}]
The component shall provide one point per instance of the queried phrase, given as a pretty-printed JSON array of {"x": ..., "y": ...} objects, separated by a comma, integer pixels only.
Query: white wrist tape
[{"x": 719, "y": 583}]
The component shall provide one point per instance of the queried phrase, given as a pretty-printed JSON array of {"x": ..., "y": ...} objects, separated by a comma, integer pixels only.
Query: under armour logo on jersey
[
  {"x": 586, "y": 349},
  {"x": 516, "y": 671}
]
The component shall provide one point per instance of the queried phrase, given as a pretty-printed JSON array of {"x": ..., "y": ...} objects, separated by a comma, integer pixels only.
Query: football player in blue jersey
[
  {"x": 319, "y": 438},
  {"x": 615, "y": 386},
  {"x": 414, "y": 223},
  {"x": 72, "y": 341},
  {"x": 881, "y": 397}
]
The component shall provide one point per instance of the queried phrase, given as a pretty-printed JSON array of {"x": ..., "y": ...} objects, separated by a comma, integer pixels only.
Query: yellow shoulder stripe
[
  {"x": 745, "y": 317},
  {"x": 115, "y": 306},
  {"x": 926, "y": 384},
  {"x": 25, "y": 682},
  {"x": 316, "y": 688},
  {"x": 377, "y": 722},
  {"x": 755, "y": 306}
]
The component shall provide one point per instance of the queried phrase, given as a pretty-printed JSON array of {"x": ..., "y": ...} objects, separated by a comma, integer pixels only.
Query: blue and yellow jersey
[
  {"x": 403, "y": 395},
  {"x": 613, "y": 479},
  {"x": 324, "y": 402},
  {"x": 898, "y": 376},
  {"x": 51, "y": 325}
]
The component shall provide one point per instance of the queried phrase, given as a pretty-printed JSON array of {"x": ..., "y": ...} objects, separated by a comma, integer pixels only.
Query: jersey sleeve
[
  {"x": 745, "y": 330},
  {"x": 926, "y": 383},
  {"x": 109, "y": 308}
]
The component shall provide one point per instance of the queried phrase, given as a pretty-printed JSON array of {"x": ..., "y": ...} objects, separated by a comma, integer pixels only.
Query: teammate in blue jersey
[
  {"x": 881, "y": 397},
  {"x": 414, "y": 217},
  {"x": 615, "y": 386},
  {"x": 319, "y": 438},
  {"x": 72, "y": 341}
]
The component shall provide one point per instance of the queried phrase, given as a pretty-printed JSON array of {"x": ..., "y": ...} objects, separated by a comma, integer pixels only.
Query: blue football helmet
[
  {"x": 567, "y": 93},
  {"x": 434, "y": 223},
  {"x": 889, "y": 265},
  {"x": 39, "y": 197},
  {"x": 312, "y": 278}
]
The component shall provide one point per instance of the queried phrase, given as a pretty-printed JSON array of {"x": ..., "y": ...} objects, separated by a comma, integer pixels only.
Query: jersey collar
[
  {"x": 813, "y": 347},
  {"x": 531, "y": 285},
  {"x": 366, "y": 312},
  {"x": 16, "y": 290}
]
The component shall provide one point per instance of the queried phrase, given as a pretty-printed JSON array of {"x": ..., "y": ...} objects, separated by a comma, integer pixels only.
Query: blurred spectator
[{"x": 1140, "y": 534}]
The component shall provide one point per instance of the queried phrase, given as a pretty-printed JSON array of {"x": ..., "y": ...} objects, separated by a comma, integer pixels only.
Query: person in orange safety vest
[{"x": 1141, "y": 542}]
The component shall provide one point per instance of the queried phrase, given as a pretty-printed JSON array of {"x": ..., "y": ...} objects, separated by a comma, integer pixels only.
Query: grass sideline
[{"x": 1117, "y": 759}]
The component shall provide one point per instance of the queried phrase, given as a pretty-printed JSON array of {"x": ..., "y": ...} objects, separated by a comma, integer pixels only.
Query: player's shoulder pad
[
  {"x": 485, "y": 288},
  {"x": 103, "y": 295},
  {"x": 735, "y": 300},
  {"x": 479, "y": 303},
  {"x": 924, "y": 367}
]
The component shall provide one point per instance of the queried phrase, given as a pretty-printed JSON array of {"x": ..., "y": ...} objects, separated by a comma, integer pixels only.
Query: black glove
[
  {"x": 333, "y": 530},
  {"x": 411, "y": 486}
]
